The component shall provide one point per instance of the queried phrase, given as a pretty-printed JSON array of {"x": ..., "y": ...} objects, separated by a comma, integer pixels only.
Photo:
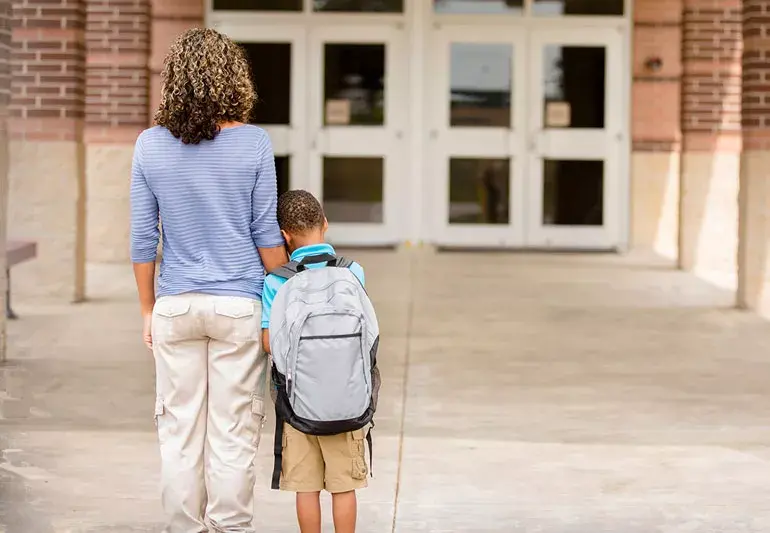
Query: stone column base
[
  {"x": 47, "y": 205},
  {"x": 708, "y": 220}
]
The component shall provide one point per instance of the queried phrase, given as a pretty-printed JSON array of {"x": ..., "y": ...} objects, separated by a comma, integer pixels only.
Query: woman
[{"x": 211, "y": 179}]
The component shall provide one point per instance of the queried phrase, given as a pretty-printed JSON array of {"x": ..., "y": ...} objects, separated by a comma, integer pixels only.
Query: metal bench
[{"x": 16, "y": 252}]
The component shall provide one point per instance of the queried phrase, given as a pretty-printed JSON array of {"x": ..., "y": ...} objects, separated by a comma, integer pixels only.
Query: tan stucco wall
[
  {"x": 45, "y": 205},
  {"x": 655, "y": 202},
  {"x": 108, "y": 173}
]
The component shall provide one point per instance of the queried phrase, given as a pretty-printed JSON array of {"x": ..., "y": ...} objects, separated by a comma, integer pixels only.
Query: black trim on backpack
[
  {"x": 312, "y": 427},
  {"x": 277, "y": 451}
]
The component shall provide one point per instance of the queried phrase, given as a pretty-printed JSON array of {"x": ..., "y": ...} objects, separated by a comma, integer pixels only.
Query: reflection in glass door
[
  {"x": 574, "y": 168},
  {"x": 277, "y": 59},
  {"x": 357, "y": 131},
  {"x": 477, "y": 137}
]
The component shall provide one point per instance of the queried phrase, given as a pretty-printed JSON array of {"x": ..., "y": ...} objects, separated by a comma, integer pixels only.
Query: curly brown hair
[{"x": 206, "y": 82}]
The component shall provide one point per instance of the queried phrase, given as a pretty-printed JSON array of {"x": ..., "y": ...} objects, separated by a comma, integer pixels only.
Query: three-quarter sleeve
[
  {"x": 145, "y": 231},
  {"x": 264, "y": 224}
]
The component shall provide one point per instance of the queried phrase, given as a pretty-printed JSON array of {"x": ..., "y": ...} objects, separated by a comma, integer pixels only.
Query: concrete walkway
[{"x": 522, "y": 393}]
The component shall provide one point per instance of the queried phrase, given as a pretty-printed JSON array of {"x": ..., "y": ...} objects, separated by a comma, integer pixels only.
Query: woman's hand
[
  {"x": 147, "y": 331},
  {"x": 145, "y": 284}
]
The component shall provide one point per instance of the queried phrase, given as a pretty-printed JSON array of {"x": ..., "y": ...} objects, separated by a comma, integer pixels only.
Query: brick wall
[
  {"x": 656, "y": 94},
  {"x": 5, "y": 97},
  {"x": 118, "y": 43},
  {"x": 48, "y": 65},
  {"x": 756, "y": 75},
  {"x": 5, "y": 57},
  {"x": 711, "y": 91}
]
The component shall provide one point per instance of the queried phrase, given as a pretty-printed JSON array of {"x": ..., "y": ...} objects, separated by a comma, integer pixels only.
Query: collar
[{"x": 313, "y": 249}]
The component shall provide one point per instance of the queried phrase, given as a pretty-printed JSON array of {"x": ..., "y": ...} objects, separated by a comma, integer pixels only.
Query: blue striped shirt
[{"x": 217, "y": 203}]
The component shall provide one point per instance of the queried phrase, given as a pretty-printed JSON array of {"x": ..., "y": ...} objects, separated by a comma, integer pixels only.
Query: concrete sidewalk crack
[{"x": 405, "y": 386}]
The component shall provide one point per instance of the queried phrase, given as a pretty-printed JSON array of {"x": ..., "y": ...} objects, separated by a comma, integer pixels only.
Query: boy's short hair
[{"x": 299, "y": 212}]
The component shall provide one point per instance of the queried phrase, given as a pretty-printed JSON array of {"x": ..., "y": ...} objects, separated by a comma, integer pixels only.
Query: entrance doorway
[
  {"x": 526, "y": 137},
  {"x": 499, "y": 123}
]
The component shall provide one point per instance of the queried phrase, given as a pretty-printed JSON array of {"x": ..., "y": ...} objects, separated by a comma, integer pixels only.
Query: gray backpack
[{"x": 323, "y": 338}]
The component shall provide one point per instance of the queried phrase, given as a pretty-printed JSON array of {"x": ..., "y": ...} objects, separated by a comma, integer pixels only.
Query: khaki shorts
[{"x": 335, "y": 463}]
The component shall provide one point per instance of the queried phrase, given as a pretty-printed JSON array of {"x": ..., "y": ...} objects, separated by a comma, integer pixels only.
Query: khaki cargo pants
[{"x": 211, "y": 374}]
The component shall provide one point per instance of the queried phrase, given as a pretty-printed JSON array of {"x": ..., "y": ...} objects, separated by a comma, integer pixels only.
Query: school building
[{"x": 564, "y": 125}]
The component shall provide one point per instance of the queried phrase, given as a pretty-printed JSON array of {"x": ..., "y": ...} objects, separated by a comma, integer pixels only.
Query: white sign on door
[
  {"x": 338, "y": 112},
  {"x": 558, "y": 115}
]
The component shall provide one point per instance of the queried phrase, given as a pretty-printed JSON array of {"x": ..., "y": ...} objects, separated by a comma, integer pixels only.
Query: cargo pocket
[
  {"x": 357, "y": 451},
  {"x": 258, "y": 412},
  {"x": 160, "y": 410}
]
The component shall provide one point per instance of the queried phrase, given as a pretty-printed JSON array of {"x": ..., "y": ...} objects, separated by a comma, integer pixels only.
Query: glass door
[
  {"x": 358, "y": 114},
  {"x": 277, "y": 58},
  {"x": 576, "y": 120},
  {"x": 476, "y": 138}
]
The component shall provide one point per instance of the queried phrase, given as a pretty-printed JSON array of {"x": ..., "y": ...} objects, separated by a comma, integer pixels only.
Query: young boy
[{"x": 310, "y": 463}]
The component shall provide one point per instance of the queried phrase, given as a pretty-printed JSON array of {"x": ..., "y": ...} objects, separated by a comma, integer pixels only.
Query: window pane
[
  {"x": 353, "y": 189},
  {"x": 574, "y": 78},
  {"x": 479, "y": 191},
  {"x": 484, "y": 7},
  {"x": 271, "y": 72},
  {"x": 573, "y": 193},
  {"x": 480, "y": 92},
  {"x": 360, "y": 6},
  {"x": 354, "y": 84},
  {"x": 556, "y": 8},
  {"x": 258, "y": 5},
  {"x": 282, "y": 171}
]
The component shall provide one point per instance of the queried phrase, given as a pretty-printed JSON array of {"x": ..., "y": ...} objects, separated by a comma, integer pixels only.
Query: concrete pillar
[
  {"x": 656, "y": 126},
  {"x": 117, "y": 100},
  {"x": 754, "y": 244},
  {"x": 5, "y": 97},
  {"x": 711, "y": 137},
  {"x": 47, "y": 156}
]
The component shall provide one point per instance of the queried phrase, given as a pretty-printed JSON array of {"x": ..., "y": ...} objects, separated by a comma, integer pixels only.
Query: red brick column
[
  {"x": 711, "y": 128},
  {"x": 47, "y": 191},
  {"x": 117, "y": 100},
  {"x": 169, "y": 19},
  {"x": 754, "y": 234},
  {"x": 5, "y": 97},
  {"x": 117, "y": 78},
  {"x": 656, "y": 125}
]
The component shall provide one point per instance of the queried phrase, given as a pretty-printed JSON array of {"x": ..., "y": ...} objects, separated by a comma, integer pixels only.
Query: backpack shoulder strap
[
  {"x": 344, "y": 262},
  {"x": 287, "y": 271}
]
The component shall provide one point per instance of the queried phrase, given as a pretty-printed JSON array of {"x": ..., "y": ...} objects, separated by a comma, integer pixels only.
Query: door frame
[
  {"x": 388, "y": 141},
  {"x": 617, "y": 199},
  {"x": 586, "y": 144},
  {"x": 446, "y": 142}
]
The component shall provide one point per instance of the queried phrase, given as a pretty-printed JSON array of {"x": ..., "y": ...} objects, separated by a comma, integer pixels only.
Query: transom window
[{"x": 536, "y": 8}]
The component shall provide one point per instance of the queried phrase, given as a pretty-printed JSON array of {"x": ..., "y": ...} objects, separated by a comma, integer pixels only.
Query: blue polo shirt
[{"x": 273, "y": 282}]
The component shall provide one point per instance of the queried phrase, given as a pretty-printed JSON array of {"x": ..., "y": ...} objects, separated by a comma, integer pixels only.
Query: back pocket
[
  {"x": 170, "y": 321},
  {"x": 235, "y": 319}
]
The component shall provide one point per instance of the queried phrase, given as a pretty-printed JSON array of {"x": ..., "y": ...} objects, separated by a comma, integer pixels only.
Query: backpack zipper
[{"x": 289, "y": 384}]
